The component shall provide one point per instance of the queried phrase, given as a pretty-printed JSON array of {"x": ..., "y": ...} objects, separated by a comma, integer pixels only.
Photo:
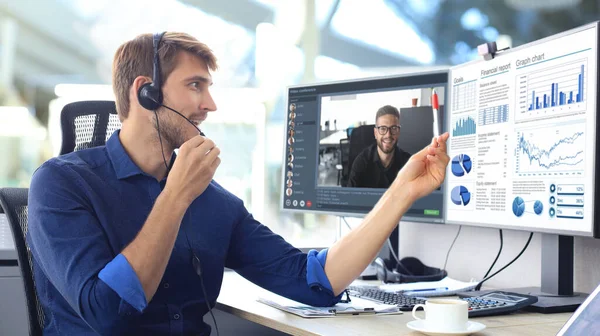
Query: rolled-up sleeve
[
  {"x": 315, "y": 269},
  {"x": 120, "y": 276},
  {"x": 266, "y": 259},
  {"x": 69, "y": 245}
]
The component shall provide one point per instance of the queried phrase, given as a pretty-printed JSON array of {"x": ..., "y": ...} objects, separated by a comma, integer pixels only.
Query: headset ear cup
[
  {"x": 381, "y": 270},
  {"x": 149, "y": 97}
]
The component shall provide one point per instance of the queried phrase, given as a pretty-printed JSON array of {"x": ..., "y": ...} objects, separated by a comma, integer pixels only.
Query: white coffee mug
[{"x": 444, "y": 314}]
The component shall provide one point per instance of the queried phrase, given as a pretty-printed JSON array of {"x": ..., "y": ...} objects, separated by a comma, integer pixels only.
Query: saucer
[{"x": 472, "y": 327}]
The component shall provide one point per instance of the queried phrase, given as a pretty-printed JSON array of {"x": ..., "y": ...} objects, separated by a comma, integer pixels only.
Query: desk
[{"x": 238, "y": 297}]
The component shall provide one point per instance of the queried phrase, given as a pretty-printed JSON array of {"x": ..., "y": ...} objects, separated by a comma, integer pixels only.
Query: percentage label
[
  {"x": 579, "y": 188},
  {"x": 580, "y": 213},
  {"x": 579, "y": 201}
]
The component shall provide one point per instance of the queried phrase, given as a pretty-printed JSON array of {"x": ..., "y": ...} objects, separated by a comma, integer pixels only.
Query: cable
[
  {"x": 348, "y": 225},
  {"x": 494, "y": 263},
  {"x": 389, "y": 243},
  {"x": 451, "y": 246},
  {"x": 198, "y": 269},
  {"x": 510, "y": 263},
  {"x": 160, "y": 140},
  {"x": 195, "y": 260}
]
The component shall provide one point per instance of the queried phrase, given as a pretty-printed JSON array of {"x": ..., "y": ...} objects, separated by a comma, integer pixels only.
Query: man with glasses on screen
[{"x": 377, "y": 165}]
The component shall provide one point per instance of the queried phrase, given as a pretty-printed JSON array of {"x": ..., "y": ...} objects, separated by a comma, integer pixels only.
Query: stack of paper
[
  {"x": 357, "y": 306},
  {"x": 444, "y": 287}
]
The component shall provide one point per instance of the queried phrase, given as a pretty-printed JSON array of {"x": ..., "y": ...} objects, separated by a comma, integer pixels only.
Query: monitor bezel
[
  {"x": 595, "y": 230},
  {"x": 441, "y": 72},
  {"x": 579, "y": 310}
]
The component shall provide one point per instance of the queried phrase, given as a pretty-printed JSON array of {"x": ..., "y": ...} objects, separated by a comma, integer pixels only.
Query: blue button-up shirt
[{"x": 86, "y": 207}]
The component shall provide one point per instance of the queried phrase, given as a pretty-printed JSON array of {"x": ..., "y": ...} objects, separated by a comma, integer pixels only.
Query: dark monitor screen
[{"x": 340, "y": 157}]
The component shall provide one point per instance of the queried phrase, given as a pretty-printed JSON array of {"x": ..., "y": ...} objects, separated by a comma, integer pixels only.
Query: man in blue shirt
[{"x": 128, "y": 239}]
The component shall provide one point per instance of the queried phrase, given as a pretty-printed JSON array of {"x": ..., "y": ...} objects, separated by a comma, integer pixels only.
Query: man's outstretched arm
[{"x": 422, "y": 174}]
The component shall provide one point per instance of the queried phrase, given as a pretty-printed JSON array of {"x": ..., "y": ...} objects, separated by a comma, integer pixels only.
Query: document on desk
[
  {"x": 444, "y": 287},
  {"x": 357, "y": 306}
]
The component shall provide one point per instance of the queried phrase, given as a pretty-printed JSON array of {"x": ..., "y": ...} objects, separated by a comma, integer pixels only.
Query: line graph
[{"x": 543, "y": 151}]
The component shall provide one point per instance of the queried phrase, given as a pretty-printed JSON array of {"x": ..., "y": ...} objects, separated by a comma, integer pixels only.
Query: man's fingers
[
  {"x": 441, "y": 140},
  {"x": 194, "y": 142},
  {"x": 206, "y": 146},
  {"x": 437, "y": 161},
  {"x": 212, "y": 155},
  {"x": 215, "y": 164}
]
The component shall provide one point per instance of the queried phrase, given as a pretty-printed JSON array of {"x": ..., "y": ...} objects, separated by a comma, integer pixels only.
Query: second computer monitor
[
  {"x": 346, "y": 141},
  {"x": 524, "y": 137}
]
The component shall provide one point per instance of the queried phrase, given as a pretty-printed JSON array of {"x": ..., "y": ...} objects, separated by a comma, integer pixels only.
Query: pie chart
[
  {"x": 460, "y": 195},
  {"x": 461, "y": 165},
  {"x": 518, "y": 206},
  {"x": 538, "y": 207}
]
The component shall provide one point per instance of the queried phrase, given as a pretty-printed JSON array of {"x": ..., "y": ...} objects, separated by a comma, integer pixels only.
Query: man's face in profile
[
  {"x": 387, "y": 141},
  {"x": 186, "y": 90}
]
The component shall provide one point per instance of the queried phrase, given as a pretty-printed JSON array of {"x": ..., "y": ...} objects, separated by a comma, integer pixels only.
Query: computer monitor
[
  {"x": 333, "y": 142},
  {"x": 523, "y": 137},
  {"x": 524, "y": 143}
]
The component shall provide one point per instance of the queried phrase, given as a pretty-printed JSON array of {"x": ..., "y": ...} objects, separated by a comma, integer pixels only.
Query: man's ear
[
  {"x": 138, "y": 82},
  {"x": 135, "y": 88}
]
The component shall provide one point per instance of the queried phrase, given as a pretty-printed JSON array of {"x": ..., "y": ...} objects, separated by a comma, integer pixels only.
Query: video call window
[
  {"x": 366, "y": 138},
  {"x": 346, "y": 141}
]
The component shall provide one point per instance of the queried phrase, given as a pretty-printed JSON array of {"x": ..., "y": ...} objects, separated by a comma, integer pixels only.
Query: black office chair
[
  {"x": 13, "y": 202},
  {"x": 360, "y": 138},
  {"x": 87, "y": 124}
]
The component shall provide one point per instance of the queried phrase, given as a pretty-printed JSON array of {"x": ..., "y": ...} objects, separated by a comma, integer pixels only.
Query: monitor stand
[{"x": 556, "y": 293}]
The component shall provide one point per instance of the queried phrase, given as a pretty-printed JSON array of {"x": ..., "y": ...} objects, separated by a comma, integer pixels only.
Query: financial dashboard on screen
[{"x": 523, "y": 136}]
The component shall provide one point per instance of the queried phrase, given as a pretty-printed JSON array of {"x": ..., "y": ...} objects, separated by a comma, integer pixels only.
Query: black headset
[
  {"x": 409, "y": 269},
  {"x": 150, "y": 94}
]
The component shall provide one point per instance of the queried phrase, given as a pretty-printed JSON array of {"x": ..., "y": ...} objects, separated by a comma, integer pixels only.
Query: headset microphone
[{"x": 184, "y": 117}]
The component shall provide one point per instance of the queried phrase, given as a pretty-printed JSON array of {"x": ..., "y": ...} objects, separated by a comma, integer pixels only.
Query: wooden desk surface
[{"x": 238, "y": 297}]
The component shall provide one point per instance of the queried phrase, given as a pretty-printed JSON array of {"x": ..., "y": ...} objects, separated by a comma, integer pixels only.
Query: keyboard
[
  {"x": 494, "y": 303},
  {"x": 404, "y": 302}
]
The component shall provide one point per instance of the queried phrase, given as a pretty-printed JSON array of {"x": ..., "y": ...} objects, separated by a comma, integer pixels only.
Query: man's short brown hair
[
  {"x": 385, "y": 110},
  {"x": 135, "y": 58}
]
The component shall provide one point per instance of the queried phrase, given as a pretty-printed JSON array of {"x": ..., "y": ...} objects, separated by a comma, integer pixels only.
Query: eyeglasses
[{"x": 384, "y": 129}]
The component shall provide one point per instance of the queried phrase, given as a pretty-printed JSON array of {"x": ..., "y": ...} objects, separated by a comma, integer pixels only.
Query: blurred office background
[{"x": 53, "y": 52}]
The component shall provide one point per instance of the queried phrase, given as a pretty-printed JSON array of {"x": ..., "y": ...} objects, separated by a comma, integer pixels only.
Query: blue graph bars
[
  {"x": 557, "y": 98},
  {"x": 464, "y": 126}
]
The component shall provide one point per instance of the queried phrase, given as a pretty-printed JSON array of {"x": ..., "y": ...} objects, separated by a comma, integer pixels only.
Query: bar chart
[
  {"x": 464, "y": 126},
  {"x": 554, "y": 91}
]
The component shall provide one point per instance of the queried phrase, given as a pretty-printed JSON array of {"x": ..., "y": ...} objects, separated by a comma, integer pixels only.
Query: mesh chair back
[
  {"x": 13, "y": 202},
  {"x": 87, "y": 124}
]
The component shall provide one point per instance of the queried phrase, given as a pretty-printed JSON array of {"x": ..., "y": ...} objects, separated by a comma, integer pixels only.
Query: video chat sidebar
[{"x": 289, "y": 183}]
